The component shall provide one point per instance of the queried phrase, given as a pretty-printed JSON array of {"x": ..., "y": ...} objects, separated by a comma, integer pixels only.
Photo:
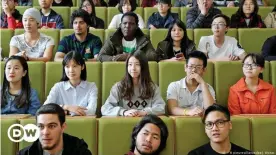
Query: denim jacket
[
  {"x": 10, "y": 107},
  {"x": 160, "y": 22}
]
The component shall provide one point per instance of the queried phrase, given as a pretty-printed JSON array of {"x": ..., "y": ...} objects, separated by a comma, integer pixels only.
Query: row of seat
[
  {"x": 220, "y": 75},
  {"x": 107, "y": 13},
  {"x": 185, "y": 134},
  {"x": 250, "y": 39}
]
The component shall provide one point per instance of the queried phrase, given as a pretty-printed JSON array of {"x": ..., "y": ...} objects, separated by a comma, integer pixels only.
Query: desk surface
[{"x": 15, "y": 116}]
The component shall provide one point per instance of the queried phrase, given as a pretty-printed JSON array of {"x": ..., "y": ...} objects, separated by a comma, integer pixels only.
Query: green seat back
[
  {"x": 36, "y": 75},
  {"x": 176, "y": 72},
  {"x": 263, "y": 134},
  {"x": 22, "y": 9},
  {"x": 107, "y": 138},
  {"x": 228, "y": 11},
  {"x": 264, "y": 11},
  {"x": 7, "y": 146},
  {"x": 5, "y": 43},
  {"x": 109, "y": 32},
  {"x": 272, "y": 2},
  {"x": 224, "y": 78},
  {"x": 190, "y": 133},
  {"x": 198, "y": 33},
  {"x": 252, "y": 40},
  {"x": 96, "y": 32},
  {"x": 273, "y": 73},
  {"x": 184, "y": 11},
  {"x": 148, "y": 11},
  {"x": 88, "y": 132},
  {"x": 114, "y": 72}
]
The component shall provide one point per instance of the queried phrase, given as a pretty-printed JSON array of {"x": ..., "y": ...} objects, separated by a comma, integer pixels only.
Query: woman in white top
[
  {"x": 124, "y": 7},
  {"x": 74, "y": 94},
  {"x": 32, "y": 45}
]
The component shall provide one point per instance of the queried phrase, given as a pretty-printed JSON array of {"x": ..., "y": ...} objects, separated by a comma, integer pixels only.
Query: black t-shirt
[
  {"x": 208, "y": 150},
  {"x": 63, "y": 3}
]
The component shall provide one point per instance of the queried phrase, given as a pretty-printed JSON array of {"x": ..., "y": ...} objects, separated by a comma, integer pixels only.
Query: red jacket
[{"x": 13, "y": 22}]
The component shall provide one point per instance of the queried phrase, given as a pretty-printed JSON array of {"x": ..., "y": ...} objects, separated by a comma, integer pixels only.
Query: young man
[
  {"x": 50, "y": 118},
  {"x": 201, "y": 15},
  {"x": 50, "y": 19},
  {"x": 10, "y": 17},
  {"x": 219, "y": 46},
  {"x": 163, "y": 18},
  {"x": 192, "y": 94},
  {"x": 149, "y": 136},
  {"x": 217, "y": 127},
  {"x": 128, "y": 38},
  {"x": 81, "y": 40}
]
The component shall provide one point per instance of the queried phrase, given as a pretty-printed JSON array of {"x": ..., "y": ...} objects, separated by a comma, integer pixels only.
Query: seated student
[
  {"x": 270, "y": 20},
  {"x": 201, "y": 15},
  {"x": 152, "y": 129},
  {"x": 191, "y": 95},
  {"x": 124, "y": 7},
  {"x": 50, "y": 119},
  {"x": 125, "y": 40},
  {"x": 87, "y": 44},
  {"x": 17, "y": 96},
  {"x": 73, "y": 93},
  {"x": 49, "y": 18},
  {"x": 219, "y": 46},
  {"x": 176, "y": 46},
  {"x": 247, "y": 16},
  {"x": 88, "y": 6},
  {"x": 218, "y": 125},
  {"x": 25, "y": 2},
  {"x": 136, "y": 94},
  {"x": 149, "y": 3},
  {"x": 100, "y": 3},
  {"x": 269, "y": 49},
  {"x": 32, "y": 45},
  {"x": 163, "y": 18},
  {"x": 10, "y": 17},
  {"x": 185, "y": 3},
  {"x": 62, "y": 3},
  {"x": 252, "y": 95}
]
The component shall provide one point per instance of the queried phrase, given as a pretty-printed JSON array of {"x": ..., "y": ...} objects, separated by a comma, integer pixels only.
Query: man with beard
[
  {"x": 50, "y": 118},
  {"x": 87, "y": 44},
  {"x": 149, "y": 136}
]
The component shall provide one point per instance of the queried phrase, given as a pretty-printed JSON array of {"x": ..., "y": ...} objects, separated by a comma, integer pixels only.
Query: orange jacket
[{"x": 242, "y": 101}]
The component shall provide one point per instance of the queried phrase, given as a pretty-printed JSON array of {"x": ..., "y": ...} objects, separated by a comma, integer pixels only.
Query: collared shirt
[
  {"x": 92, "y": 44},
  {"x": 178, "y": 91},
  {"x": 242, "y": 101},
  {"x": 10, "y": 107},
  {"x": 84, "y": 95}
]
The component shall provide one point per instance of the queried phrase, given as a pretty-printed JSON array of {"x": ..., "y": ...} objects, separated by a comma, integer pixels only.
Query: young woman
[
  {"x": 17, "y": 96},
  {"x": 32, "y": 45},
  {"x": 124, "y": 7},
  {"x": 247, "y": 16},
  {"x": 176, "y": 46},
  {"x": 89, "y": 7},
  {"x": 252, "y": 95},
  {"x": 270, "y": 20},
  {"x": 74, "y": 94},
  {"x": 136, "y": 94}
]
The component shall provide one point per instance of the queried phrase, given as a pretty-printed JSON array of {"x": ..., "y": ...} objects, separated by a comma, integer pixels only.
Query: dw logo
[{"x": 29, "y": 133}]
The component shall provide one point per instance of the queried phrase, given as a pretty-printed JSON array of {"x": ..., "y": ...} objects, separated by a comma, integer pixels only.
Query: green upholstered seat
[
  {"x": 273, "y": 73},
  {"x": 184, "y": 11},
  {"x": 7, "y": 146},
  {"x": 6, "y": 35}
]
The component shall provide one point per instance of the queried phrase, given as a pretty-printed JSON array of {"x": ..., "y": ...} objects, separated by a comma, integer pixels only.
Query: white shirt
[
  {"x": 229, "y": 47},
  {"x": 84, "y": 95},
  {"x": 178, "y": 91},
  {"x": 116, "y": 21},
  {"x": 37, "y": 50}
]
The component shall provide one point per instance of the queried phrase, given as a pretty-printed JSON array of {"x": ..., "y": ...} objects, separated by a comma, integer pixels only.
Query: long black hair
[
  {"x": 240, "y": 12},
  {"x": 23, "y": 99},
  {"x": 132, "y": 3},
  {"x": 145, "y": 81},
  {"x": 257, "y": 59},
  {"x": 93, "y": 13},
  {"x": 75, "y": 56},
  {"x": 185, "y": 42}
]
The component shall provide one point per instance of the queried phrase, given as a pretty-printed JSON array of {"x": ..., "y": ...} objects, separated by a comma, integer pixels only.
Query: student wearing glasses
[
  {"x": 219, "y": 46},
  {"x": 252, "y": 95},
  {"x": 191, "y": 95},
  {"x": 217, "y": 127}
]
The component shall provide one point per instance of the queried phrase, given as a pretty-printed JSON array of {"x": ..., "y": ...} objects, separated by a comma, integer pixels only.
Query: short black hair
[
  {"x": 198, "y": 54},
  {"x": 131, "y": 2},
  {"x": 226, "y": 18},
  {"x": 164, "y": 1},
  {"x": 81, "y": 14},
  {"x": 132, "y": 14},
  {"x": 52, "y": 108},
  {"x": 216, "y": 107},
  {"x": 156, "y": 121}
]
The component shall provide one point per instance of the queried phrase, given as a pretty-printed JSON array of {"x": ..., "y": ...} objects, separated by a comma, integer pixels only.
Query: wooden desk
[{"x": 15, "y": 116}]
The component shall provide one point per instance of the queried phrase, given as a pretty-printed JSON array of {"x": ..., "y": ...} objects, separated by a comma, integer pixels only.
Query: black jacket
[
  {"x": 269, "y": 49},
  {"x": 72, "y": 146}
]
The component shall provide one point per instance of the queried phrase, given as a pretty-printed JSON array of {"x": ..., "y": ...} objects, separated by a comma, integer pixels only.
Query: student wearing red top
[
  {"x": 252, "y": 95},
  {"x": 10, "y": 17}
]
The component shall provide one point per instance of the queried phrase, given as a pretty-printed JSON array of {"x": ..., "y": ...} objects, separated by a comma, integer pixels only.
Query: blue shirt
[
  {"x": 10, "y": 107},
  {"x": 162, "y": 22}
]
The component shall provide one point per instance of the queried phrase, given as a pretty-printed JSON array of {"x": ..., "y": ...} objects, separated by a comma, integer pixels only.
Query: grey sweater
[{"x": 115, "y": 105}]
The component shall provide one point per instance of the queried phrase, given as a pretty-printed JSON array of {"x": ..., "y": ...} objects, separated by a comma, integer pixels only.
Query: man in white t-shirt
[{"x": 219, "y": 46}]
